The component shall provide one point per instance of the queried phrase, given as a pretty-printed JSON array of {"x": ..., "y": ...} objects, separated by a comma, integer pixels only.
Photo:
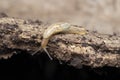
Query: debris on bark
[{"x": 92, "y": 49}]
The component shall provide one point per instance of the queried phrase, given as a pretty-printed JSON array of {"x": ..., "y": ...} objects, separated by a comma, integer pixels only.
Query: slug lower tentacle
[{"x": 64, "y": 28}]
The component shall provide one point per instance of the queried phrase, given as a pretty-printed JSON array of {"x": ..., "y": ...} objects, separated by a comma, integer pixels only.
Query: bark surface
[{"x": 92, "y": 49}]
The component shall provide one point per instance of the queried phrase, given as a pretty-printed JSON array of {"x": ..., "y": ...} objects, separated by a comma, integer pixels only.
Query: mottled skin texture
[{"x": 64, "y": 28}]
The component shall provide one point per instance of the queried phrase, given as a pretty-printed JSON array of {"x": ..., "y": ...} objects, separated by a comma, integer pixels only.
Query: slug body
[
  {"x": 64, "y": 28},
  {"x": 61, "y": 28}
]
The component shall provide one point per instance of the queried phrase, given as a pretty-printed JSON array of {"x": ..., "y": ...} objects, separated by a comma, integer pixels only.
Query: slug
[{"x": 64, "y": 28}]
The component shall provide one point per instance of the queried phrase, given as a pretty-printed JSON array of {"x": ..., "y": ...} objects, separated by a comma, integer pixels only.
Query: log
[{"x": 92, "y": 49}]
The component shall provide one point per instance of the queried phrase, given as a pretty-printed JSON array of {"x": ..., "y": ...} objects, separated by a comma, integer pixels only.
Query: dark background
[{"x": 39, "y": 67}]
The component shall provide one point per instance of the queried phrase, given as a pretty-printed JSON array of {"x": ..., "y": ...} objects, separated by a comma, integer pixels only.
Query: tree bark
[{"x": 92, "y": 49}]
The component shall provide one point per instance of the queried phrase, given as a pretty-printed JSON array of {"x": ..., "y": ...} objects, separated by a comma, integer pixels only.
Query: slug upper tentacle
[{"x": 64, "y": 28}]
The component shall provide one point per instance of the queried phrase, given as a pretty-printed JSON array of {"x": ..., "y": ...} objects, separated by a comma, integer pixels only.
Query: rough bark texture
[{"x": 92, "y": 49}]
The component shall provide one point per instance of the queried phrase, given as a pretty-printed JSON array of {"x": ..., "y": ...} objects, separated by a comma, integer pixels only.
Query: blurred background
[{"x": 96, "y": 15}]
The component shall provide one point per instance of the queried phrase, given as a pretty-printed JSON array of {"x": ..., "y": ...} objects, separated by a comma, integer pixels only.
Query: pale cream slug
[{"x": 64, "y": 28}]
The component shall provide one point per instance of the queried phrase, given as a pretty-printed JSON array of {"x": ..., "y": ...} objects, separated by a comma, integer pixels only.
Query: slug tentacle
[
  {"x": 48, "y": 53},
  {"x": 64, "y": 28}
]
